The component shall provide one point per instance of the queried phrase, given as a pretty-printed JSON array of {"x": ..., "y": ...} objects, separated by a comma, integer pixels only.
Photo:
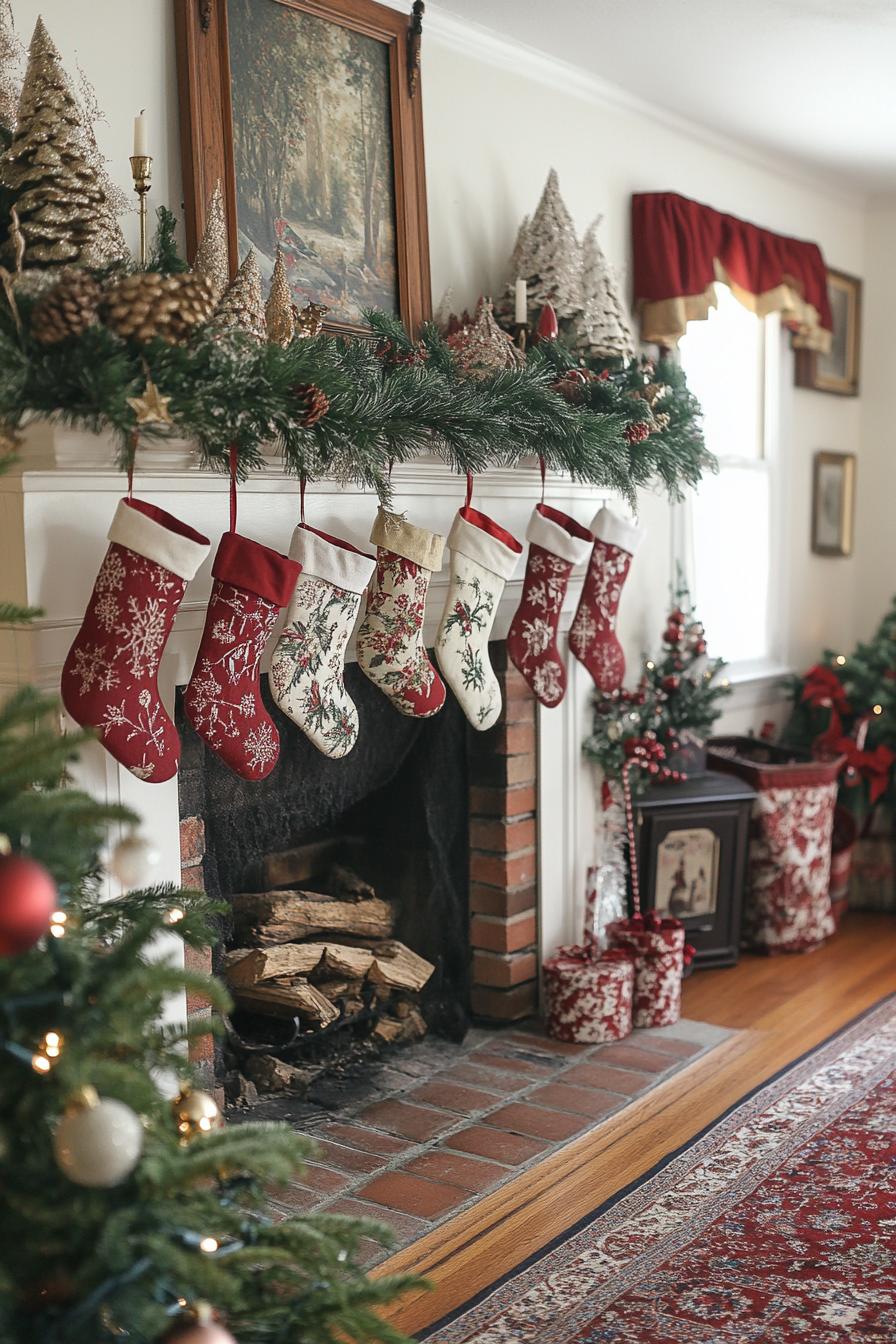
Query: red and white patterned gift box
[
  {"x": 659, "y": 953},
  {"x": 588, "y": 999}
]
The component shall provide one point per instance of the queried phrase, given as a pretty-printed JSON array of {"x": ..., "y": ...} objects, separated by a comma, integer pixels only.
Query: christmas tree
[
  {"x": 51, "y": 170},
  {"x": 126, "y": 1214},
  {"x": 10, "y": 81},
  {"x": 602, "y": 330},
  {"x": 110, "y": 245},
  {"x": 241, "y": 307},
  {"x": 547, "y": 255}
]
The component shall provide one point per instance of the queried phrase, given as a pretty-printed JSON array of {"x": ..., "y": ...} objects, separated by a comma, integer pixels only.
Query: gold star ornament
[{"x": 151, "y": 408}]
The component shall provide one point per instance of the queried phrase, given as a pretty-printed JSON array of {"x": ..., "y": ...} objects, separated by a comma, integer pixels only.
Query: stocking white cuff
[
  {"x": 393, "y": 533},
  {"x": 154, "y": 541},
  {"x": 615, "y": 531},
  {"x": 320, "y": 558},
  {"x": 494, "y": 555},
  {"x": 550, "y": 536}
]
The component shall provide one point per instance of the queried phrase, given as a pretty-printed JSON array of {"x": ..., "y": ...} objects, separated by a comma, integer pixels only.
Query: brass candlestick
[
  {"x": 141, "y": 172},
  {"x": 521, "y": 335}
]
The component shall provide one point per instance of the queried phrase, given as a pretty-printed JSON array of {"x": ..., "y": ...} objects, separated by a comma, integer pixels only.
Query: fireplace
[{"x": 433, "y": 821}]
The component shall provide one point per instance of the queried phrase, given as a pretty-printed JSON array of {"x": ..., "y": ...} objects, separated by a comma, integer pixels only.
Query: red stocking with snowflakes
[
  {"x": 109, "y": 677},
  {"x": 557, "y": 543},
  {"x": 223, "y": 700},
  {"x": 592, "y": 637}
]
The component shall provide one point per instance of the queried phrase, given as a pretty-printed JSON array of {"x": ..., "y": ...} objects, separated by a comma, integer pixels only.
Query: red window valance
[{"x": 681, "y": 248}]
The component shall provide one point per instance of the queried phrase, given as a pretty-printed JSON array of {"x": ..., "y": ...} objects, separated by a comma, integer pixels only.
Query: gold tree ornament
[
  {"x": 11, "y": 54},
  {"x": 212, "y": 258},
  {"x": 278, "y": 311},
  {"x": 195, "y": 1113},
  {"x": 47, "y": 167},
  {"x": 310, "y": 320},
  {"x": 482, "y": 348},
  {"x": 151, "y": 408},
  {"x": 241, "y": 308}
]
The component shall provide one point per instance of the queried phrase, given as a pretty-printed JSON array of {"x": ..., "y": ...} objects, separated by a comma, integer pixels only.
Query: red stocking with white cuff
[
  {"x": 557, "y": 543},
  {"x": 223, "y": 699},
  {"x": 592, "y": 637},
  {"x": 109, "y": 680}
]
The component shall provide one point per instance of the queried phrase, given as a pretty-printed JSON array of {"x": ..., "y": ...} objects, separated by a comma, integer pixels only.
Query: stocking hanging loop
[
  {"x": 469, "y": 499},
  {"x": 542, "y": 467},
  {"x": 233, "y": 469},
  {"x": 132, "y": 457},
  {"x": 303, "y": 481}
]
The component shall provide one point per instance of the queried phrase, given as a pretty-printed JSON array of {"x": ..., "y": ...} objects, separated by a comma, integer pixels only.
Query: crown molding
[{"x": 477, "y": 42}]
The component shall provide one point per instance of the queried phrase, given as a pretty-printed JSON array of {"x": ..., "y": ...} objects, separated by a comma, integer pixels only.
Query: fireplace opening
[{"x": 347, "y": 887}]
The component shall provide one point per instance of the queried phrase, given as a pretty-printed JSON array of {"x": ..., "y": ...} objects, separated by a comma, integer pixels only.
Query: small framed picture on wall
[
  {"x": 833, "y": 503},
  {"x": 838, "y": 370}
]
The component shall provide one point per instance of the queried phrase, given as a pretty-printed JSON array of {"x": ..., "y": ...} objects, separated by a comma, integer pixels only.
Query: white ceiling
[{"x": 812, "y": 80}]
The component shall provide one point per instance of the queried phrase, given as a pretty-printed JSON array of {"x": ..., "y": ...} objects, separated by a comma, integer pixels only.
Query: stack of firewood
[{"x": 321, "y": 954}]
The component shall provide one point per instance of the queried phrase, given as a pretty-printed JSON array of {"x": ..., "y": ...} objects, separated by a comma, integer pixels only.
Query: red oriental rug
[{"x": 776, "y": 1226}]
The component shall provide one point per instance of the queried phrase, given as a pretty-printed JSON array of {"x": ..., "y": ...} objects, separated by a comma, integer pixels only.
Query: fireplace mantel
[{"x": 54, "y": 515}]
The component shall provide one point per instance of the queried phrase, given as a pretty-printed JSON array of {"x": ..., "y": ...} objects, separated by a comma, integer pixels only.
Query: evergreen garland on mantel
[{"x": 389, "y": 400}]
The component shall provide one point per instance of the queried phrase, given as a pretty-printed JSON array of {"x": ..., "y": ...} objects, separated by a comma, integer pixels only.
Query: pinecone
[
  {"x": 148, "y": 304},
  {"x": 67, "y": 309},
  {"x": 316, "y": 403}
]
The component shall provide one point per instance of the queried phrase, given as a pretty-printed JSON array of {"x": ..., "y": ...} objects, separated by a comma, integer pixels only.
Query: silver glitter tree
[
  {"x": 602, "y": 328},
  {"x": 548, "y": 257},
  {"x": 11, "y": 60}
]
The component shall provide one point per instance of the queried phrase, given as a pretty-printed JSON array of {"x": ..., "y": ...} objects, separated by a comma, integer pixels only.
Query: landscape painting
[{"x": 313, "y": 155}]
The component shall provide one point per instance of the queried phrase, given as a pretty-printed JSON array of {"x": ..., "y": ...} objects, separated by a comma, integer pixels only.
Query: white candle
[
  {"x": 140, "y": 142},
  {"x": 520, "y": 315}
]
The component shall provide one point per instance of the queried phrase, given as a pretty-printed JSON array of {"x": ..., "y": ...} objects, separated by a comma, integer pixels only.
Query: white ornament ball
[
  {"x": 133, "y": 861},
  {"x": 98, "y": 1143}
]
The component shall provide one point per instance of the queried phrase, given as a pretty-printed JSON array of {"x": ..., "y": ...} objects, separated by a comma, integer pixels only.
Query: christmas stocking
[
  {"x": 556, "y": 544},
  {"x": 109, "y": 678},
  {"x": 390, "y": 640},
  {"x": 223, "y": 698},
  {"x": 307, "y": 669},
  {"x": 483, "y": 557},
  {"x": 592, "y": 637}
]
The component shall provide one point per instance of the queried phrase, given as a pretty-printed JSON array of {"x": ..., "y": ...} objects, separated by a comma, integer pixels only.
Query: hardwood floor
[{"x": 780, "y": 1007}]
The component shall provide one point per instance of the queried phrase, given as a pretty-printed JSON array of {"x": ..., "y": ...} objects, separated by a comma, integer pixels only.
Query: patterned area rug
[{"x": 776, "y": 1226}]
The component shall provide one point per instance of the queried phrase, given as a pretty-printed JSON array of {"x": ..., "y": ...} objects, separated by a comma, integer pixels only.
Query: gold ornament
[
  {"x": 278, "y": 311},
  {"x": 68, "y": 309},
  {"x": 195, "y": 1113},
  {"x": 310, "y": 320},
  {"x": 482, "y": 348},
  {"x": 11, "y": 52},
  {"x": 241, "y": 308},
  {"x": 151, "y": 408},
  {"x": 212, "y": 257},
  {"x": 62, "y": 207},
  {"x": 147, "y": 304}
]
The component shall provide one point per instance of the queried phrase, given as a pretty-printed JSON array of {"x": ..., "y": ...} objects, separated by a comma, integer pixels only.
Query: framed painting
[
  {"x": 838, "y": 370},
  {"x": 833, "y": 503},
  {"x": 308, "y": 112}
]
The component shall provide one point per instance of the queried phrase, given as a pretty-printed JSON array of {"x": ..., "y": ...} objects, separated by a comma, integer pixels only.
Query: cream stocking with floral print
[
  {"x": 308, "y": 667},
  {"x": 483, "y": 557}
]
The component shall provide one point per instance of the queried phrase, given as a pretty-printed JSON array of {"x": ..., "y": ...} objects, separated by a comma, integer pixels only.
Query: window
[{"x": 730, "y": 365}]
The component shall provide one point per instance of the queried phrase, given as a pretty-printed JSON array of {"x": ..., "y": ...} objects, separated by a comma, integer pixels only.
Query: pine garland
[{"x": 389, "y": 401}]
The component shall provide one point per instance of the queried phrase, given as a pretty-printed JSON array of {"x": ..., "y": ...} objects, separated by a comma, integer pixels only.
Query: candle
[
  {"x": 520, "y": 313},
  {"x": 140, "y": 144}
]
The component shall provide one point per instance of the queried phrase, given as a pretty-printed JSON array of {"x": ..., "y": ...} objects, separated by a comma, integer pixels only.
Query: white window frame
[{"x": 764, "y": 671}]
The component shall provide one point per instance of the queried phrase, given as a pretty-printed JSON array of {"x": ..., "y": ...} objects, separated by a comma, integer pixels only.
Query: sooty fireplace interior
[{"x": 347, "y": 886}]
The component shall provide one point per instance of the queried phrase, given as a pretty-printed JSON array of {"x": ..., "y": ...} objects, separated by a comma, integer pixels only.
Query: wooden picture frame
[
  {"x": 833, "y": 503},
  {"x": 210, "y": 149},
  {"x": 838, "y": 371}
]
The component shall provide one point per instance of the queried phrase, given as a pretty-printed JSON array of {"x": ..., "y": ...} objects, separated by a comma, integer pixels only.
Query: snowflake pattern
[
  {"x": 548, "y": 682},
  {"x": 596, "y": 616},
  {"x": 532, "y": 638},
  {"x": 390, "y": 638},
  {"x": 94, "y": 665},
  {"x": 307, "y": 669},
  {"x": 261, "y": 747}
]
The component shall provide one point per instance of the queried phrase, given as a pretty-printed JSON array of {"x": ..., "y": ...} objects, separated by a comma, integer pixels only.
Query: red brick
[
  {"x": 410, "y": 1122},
  {"x": 192, "y": 879},
  {"x": 538, "y": 1043},
  {"x": 496, "y": 870},
  {"x": 521, "y": 769},
  {"x": 495, "y": 771},
  {"x": 412, "y": 1194},
  {"x": 494, "y": 801},
  {"x": 368, "y": 1140},
  {"x": 298, "y": 1198},
  {"x": 202, "y": 1048},
  {"x": 499, "y": 836},
  {"x": 626, "y": 1081},
  {"x": 346, "y": 1159},
  {"x": 495, "y": 934},
  {"x": 192, "y": 841},
  {"x": 668, "y": 1045},
  {"x": 502, "y": 901},
  {"x": 451, "y": 1096},
  {"x": 504, "y": 1005},
  {"x": 488, "y": 1057},
  {"x": 515, "y": 685},
  {"x": 498, "y": 1145},
  {"x": 324, "y": 1179},
  {"x": 197, "y": 959},
  {"x": 518, "y": 739},
  {"x": 591, "y": 1101},
  {"x": 495, "y": 1080},
  {"x": 519, "y": 709},
  {"x": 536, "y": 1122},
  {"x": 503, "y": 970},
  {"x": 452, "y": 1169},
  {"x": 403, "y": 1225},
  {"x": 626, "y": 1056}
]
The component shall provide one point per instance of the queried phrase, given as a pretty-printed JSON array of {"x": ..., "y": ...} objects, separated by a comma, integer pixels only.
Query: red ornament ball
[
  {"x": 28, "y": 897},
  {"x": 673, "y": 633},
  {"x": 700, "y": 646},
  {"x": 671, "y": 683}
]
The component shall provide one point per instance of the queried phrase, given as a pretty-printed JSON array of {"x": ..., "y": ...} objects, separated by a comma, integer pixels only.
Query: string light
[
  {"x": 47, "y": 1052},
  {"x": 40, "y": 1064},
  {"x": 840, "y": 660},
  {"x": 57, "y": 923},
  {"x": 651, "y": 667},
  {"x": 877, "y": 709},
  {"x": 208, "y": 1245},
  {"x": 173, "y": 916}
]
